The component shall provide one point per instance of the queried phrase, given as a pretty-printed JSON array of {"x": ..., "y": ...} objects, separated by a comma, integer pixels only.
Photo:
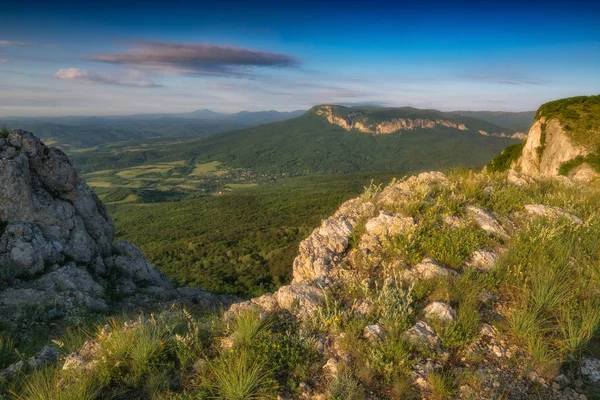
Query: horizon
[
  {"x": 128, "y": 58},
  {"x": 240, "y": 111}
]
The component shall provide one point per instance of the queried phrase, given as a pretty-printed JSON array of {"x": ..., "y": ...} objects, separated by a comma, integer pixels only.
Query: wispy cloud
[
  {"x": 504, "y": 80},
  {"x": 197, "y": 59},
  {"x": 14, "y": 43},
  {"x": 80, "y": 75}
]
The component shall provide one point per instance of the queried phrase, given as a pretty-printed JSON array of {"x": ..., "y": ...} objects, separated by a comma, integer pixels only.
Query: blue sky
[{"x": 71, "y": 58}]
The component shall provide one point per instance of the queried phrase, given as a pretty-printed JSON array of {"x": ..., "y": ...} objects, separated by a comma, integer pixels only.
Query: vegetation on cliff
[
  {"x": 579, "y": 116},
  {"x": 503, "y": 161}
]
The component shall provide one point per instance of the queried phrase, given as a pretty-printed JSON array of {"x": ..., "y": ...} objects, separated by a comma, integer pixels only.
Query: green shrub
[
  {"x": 42, "y": 385},
  {"x": 593, "y": 159},
  {"x": 345, "y": 387},
  {"x": 504, "y": 160},
  {"x": 238, "y": 376}
]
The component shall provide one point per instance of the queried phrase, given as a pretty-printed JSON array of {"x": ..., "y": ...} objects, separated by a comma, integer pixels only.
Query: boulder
[
  {"x": 424, "y": 335},
  {"x": 300, "y": 298},
  {"x": 426, "y": 269},
  {"x": 440, "y": 311},
  {"x": 550, "y": 212},
  {"x": 487, "y": 222}
]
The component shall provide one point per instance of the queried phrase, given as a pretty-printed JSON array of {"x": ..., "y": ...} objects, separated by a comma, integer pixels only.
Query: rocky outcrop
[
  {"x": 549, "y": 146},
  {"x": 357, "y": 265},
  {"x": 346, "y": 121},
  {"x": 356, "y": 120},
  {"x": 56, "y": 239},
  {"x": 405, "y": 124},
  {"x": 517, "y": 135}
]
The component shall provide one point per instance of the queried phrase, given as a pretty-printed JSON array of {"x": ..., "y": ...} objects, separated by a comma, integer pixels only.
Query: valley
[{"x": 227, "y": 212}]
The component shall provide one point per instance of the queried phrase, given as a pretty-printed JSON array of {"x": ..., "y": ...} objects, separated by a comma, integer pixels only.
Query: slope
[{"x": 310, "y": 144}]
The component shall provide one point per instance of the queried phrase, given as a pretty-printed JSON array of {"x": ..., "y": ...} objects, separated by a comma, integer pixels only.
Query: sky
[{"x": 110, "y": 58}]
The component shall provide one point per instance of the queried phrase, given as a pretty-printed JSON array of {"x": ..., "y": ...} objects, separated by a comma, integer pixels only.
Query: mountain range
[
  {"x": 316, "y": 142},
  {"x": 76, "y": 132},
  {"x": 89, "y": 131}
]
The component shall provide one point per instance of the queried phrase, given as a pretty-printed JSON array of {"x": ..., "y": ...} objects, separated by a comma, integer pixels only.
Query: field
[
  {"x": 169, "y": 181},
  {"x": 242, "y": 241}
]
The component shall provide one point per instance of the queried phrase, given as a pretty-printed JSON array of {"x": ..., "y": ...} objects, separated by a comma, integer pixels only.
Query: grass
[
  {"x": 148, "y": 170},
  {"x": 42, "y": 385},
  {"x": 452, "y": 247},
  {"x": 550, "y": 274},
  {"x": 238, "y": 377},
  {"x": 579, "y": 116},
  {"x": 206, "y": 168},
  {"x": 442, "y": 386}
]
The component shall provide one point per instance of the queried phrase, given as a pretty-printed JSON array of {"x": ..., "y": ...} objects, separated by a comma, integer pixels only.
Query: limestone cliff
[
  {"x": 546, "y": 148},
  {"x": 559, "y": 145},
  {"x": 358, "y": 120}
]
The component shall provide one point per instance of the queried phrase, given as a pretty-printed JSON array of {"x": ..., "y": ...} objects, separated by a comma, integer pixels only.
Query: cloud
[
  {"x": 504, "y": 80},
  {"x": 76, "y": 74},
  {"x": 197, "y": 59},
  {"x": 2, "y": 60},
  {"x": 13, "y": 43}
]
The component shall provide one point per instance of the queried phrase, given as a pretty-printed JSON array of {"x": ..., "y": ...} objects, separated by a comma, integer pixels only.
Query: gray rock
[
  {"x": 373, "y": 332},
  {"x": 423, "y": 334},
  {"x": 319, "y": 252},
  {"x": 47, "y": 356},
  {"x": 487, "y": 222},
  {"x": 550, "y": 212},
  {"x": 130, "y": 262},
  {"x": 440, "y": 311},
  {"x": 300, "y": 297},
  {"x": 483, "y": 260},
  {"x": 386, "y": 225},
  {"x": 427, "y": 269},
  {"x": 590, "y": 368}
]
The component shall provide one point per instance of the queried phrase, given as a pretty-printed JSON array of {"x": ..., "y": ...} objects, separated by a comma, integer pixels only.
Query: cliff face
[
  {"x": 405, "y": 124},
  {"x": 546, "y": 148},
  {"x": 360, "y": 122},
  {"x": 564, "y": 140},
  {"x": 56, "y": 238}
]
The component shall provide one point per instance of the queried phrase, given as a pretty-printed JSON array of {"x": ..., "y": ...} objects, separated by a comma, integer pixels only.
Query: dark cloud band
[{"x": 197, "y": 59}]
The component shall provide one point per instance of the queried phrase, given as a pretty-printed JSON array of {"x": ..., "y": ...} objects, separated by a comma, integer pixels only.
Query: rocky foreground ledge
[
  {"x": 57, "y": 254},
  {"x": 362, "y": 254}
]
